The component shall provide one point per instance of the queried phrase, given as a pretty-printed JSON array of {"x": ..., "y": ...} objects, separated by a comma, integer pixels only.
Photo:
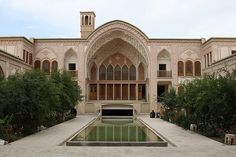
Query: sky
[{"x": 156, "y": 18}]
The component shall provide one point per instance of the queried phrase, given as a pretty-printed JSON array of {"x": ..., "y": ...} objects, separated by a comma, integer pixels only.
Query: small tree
[
  {"x": 28, "y": 98},
  {"x": 169, "y": 101},
  {"x": 69, "y": 92}
]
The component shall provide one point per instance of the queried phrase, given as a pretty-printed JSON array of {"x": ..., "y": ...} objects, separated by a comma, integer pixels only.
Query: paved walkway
[{"x": 46, "y": 143}]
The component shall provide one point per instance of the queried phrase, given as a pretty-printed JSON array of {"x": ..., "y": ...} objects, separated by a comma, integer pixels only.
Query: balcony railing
[
  {"x": 73, "y": 73},
  {"x": 164, "y": 73}
]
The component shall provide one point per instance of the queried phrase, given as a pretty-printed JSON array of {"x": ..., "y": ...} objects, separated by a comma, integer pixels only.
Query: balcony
[
  {"x": 73, "y": 73},
  {"x": 164, "y": 73}
]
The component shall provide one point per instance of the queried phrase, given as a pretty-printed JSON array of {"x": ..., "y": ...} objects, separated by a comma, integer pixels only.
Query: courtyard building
[{"x": 117, "y": 64}]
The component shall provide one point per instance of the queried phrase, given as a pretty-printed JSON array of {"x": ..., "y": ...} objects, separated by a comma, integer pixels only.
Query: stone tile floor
[{"x": 46, "y": 143}]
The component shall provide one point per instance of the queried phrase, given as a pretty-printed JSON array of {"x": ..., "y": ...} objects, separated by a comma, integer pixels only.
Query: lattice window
[
  {"x": 189, "y": 68},
  {"x": 180, "y": 68},
  {"x": 102, "y": 72},
  {"x": 132, "y": 75},
  {"x": 117, "y": 72}
]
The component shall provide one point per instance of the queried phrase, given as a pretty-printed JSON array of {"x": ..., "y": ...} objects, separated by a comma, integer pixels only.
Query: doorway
[
  {"x": 161, "y": 88},
  {"x": 93, "y": 92}
]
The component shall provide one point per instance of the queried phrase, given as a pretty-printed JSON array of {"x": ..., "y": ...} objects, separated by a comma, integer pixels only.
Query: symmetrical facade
[{"x": 117, "y": 64}]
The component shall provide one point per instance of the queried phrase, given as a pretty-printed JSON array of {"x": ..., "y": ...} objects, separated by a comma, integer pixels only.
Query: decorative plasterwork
[
  {"x": 107, "y": 37},
  {"x": 121, "y": 25},
  {"x": 164, "y": 55},
  {"x": 113, "y": 30},
  {"x": 45, "y": 54},
  {"x": 70, "y": 55},
  {"x": 189, "y": 54}
]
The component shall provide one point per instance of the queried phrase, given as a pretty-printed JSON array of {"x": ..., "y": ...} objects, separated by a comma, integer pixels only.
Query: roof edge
[
  {"x": 120, "y": 21},
  {"x": 17, "y": 37}
]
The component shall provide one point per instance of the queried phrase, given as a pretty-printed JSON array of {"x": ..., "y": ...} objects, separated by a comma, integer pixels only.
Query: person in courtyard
[{"x": 152, "y": 114}]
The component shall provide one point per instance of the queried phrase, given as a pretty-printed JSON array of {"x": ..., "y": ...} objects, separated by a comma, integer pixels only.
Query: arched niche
[
  {"x": 164, "y": 61},
  {"x": 117, "y": 37},
  {"x": 70, "y": 60},
  {"x": 141, "y": 72},
  {"x": 46, "y": 53},
  {"x": 93, "y": 72},
  {"x": 189, "y": 68},
  {"x": 37, "y": 64}
]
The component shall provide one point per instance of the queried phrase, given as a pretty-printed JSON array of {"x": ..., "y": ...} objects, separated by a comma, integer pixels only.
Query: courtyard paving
[{"x": 184, "y": 143}]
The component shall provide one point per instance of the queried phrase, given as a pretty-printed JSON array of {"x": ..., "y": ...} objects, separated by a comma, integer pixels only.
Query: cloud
[{"x": 157, "y": 18}]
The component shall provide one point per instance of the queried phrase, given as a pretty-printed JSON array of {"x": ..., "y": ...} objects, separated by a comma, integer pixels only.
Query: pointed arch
[
  {"x": 93, "y": 72},
  {"x": 141, "y": 72},
  {"x": 197, "y": 66},
  {"x": 70, "y": 60},
  {"x": 164, "y": 63},
  {"x": 132, "y": 72},
  {"x": 102, "y": 72},
  {"x": 125, "y": 72},
  {"x": 189, "y": 68},
  {"x": 180, "y": 68},
  {"x": 37, "y": 65},
  {"x": 54, "y": 66},
  {"x": 110, "y": 72},
  {"x": 117, "y": 72},
  {"x": 46, "y": 66},
  {"x": 124, "y": 31},
  {"x": 45, "y": 53}
]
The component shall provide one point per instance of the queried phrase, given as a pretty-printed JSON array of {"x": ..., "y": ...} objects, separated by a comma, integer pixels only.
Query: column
[
  {"x": 121, "y": 91},
  {"x": 128, "y": 91},
  {"x": 88, "y": 91},
  {"x": 92, "y": 21},
  {"x": 193, "y": 68},
  {"x": 113, "y": 90},
  {"x": 105, "y": 91},
  {"x": 136, "y": 91},
  {"x": 83, "y": 20},
  {"x": 98, "y": 91}
]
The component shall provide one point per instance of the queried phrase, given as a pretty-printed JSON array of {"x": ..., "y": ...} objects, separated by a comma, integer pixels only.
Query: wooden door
[
  {"x": 93, "y": 92},
  {"x": 125, "y": 92},
  {"x": 117, "y": 92}
]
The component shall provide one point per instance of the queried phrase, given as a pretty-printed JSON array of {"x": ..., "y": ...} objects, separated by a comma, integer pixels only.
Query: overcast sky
[{"x": 156, "y": 18}]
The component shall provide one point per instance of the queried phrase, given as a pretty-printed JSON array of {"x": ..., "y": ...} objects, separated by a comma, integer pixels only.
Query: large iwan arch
[
  {"x": 117, "y": 52},
  {"x": 113, "y": 31}
]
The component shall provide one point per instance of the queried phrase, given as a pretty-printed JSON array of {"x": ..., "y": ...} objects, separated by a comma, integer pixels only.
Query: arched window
[
  {"x": 30, "y": 59},
  {"x": 180, "y": 89},
  {"x": 125, "y": 72},
  {"x": 117, "y": 72},
  {"x": 102, "y": 72},
  {"x": 197, "y": 68},
  {"x": 54, "y": 66},
  {"x": 86, "y": 20},
  {"x": 46, "y": 66},
  {"x": 93, "y": 73},
  {"x": 189, "y": 68},
  {"x": 180, "y": 68},
  {"x": 110, "y": 72},
  {"x": 1, "y": 73},
  {"x": 140, "y": 72},
  {"x": 132, "y": 74},
  {"x": 37, "y": 65}
]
